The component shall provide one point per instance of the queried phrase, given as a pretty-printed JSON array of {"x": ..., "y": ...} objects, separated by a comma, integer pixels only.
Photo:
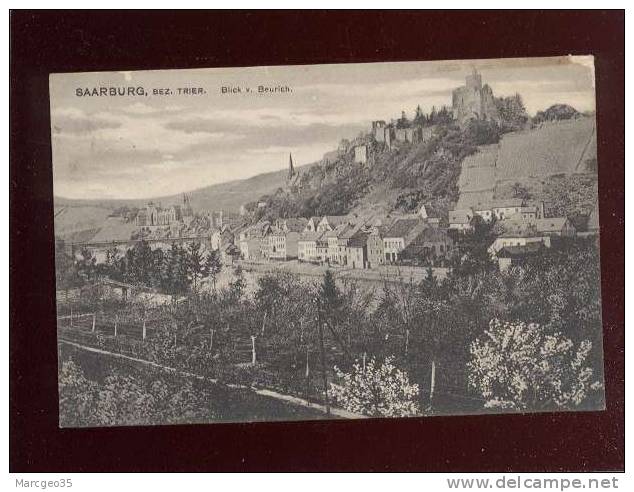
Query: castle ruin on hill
[{"x": 474, "y": 100}]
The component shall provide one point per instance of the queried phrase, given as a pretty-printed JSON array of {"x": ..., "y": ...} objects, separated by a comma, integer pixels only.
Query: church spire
[{"x": 291, "y": 168}]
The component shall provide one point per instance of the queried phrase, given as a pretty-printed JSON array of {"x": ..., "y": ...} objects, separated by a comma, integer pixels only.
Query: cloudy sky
[{"x": 142, "y": 146}]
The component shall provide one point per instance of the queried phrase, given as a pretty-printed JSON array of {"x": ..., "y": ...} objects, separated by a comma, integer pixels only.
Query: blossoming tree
[
  {"x": 519, "y": 366},
  {"x": 376, "y": 389}
]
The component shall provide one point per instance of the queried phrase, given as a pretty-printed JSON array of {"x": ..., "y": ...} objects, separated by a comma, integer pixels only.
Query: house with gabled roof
[
  {"x": 430, "y": 246},
  {"x": 375, "y": 247},
  {"x": 550, "y": 226},
  {"x": 283, "y": 239},
  {"x": 332, "y": 239},
  {"x": 521, "y": 237},
  {"x": 401, "y": 234},
  {"x": 307, "y": 246},
  {"x": 357, "y": 250},
  {"x": 556, "y": 226},
  {"x": 253, "y": 241},
  {"x": 460, "y": 219},
  {"x": 311, "y": 225},
  {"x": 510, "y": 256},
  {"x": 330, "y": 222},
  {"x": 505, "y": 208}
]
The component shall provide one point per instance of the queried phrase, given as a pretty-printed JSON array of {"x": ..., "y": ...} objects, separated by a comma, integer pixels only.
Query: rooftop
[
  {"x": 405, "y": 228},
  {"x": 460, "y": 216}
]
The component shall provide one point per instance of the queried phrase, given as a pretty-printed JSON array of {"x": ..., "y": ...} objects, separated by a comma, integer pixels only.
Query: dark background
[{"x": 63, "y": 41}]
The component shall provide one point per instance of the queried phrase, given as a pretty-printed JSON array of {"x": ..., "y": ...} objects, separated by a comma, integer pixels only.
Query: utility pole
[
  {"x": 263, "y": 324},
  {"x": 406, "y": 341},
  {"x": 323, "y": 364},
  {"x": 432, "y": 385},
  {"x": 253, "y": 355},
  {"x": 307, "y": 374}
]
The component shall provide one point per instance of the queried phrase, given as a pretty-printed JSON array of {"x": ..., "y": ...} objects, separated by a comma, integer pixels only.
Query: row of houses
[
  {"x": 356, "y": 242},
  {"x": 525, "y": 230},
  {"x": 346, "y": 241},
  {"x": 511, "y": 208},
  {"x": 526, "y": 237}
]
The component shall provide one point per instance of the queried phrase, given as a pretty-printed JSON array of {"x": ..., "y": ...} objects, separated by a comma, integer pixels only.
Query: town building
[
  {"x": 506, "y": 208},
  {"x": 253, "y": 241},
  {"x": 429, "y": 246},
  {"x": 283, "y": 239},
  {"x": 400, "y": 235},
  {"x": 331, "y": 237},
  {"x": 307, "y": 246},
  {"x": 155, "y": 215},
  {"x": 518, "y": 239},
  {"x": 510, "y": 256},
  {"x": 221, "y": 237},
  {"x": 375, "y": 247},
  {"x": 555, "y": 226},
  {"x": 550, "y": 226},
  {"x": 330, "y": 222},
  {"x": 357, "y": 250},
  {"x": 343, "y": 238},
  {"x": 311, "y": 225},
  {"x": 229, "y": 253},
  {"x": 460, "y": 219}
]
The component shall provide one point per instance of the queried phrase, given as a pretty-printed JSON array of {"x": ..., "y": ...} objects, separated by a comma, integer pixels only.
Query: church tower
[
  {"x": 291, "y": 168},
  {"x": 292, "y": 177}
]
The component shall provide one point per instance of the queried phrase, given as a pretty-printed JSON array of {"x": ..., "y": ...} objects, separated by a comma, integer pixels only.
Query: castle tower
[{"x": 474, "y": 81}]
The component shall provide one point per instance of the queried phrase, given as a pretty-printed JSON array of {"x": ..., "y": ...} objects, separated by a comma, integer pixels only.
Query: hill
[
  {"x": 227, "y": 196},
  {"x": 457, "y": 167},
  {"x": 72, "y": 216}
]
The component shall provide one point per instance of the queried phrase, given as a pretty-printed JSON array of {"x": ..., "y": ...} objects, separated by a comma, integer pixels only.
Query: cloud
[{"x": 76, "y": 122}]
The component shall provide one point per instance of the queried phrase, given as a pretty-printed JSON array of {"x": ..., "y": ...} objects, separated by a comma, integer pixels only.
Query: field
[{"x": 70, "y": 219}]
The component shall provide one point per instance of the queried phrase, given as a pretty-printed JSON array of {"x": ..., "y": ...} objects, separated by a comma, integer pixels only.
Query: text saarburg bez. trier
[{"x": 137, "y": 91}]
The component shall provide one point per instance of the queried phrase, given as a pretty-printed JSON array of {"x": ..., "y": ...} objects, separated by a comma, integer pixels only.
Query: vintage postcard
[{"x": 327, "y": 241}]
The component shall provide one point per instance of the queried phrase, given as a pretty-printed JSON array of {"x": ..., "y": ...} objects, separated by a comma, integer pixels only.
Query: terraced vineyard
[
  {"x": 477, "y": 179},
  {"x": 556, "y": 148}
]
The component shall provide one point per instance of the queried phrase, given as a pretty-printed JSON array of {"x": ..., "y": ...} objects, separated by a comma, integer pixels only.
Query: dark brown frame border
[{"x": 66, "y": 41}]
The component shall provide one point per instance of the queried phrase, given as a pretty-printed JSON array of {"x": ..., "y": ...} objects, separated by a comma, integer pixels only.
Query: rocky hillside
[{"x": 397, "y": 179}]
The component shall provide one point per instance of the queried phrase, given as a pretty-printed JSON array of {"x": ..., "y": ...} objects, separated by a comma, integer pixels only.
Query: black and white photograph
[{"x": 338, "y": 241}]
